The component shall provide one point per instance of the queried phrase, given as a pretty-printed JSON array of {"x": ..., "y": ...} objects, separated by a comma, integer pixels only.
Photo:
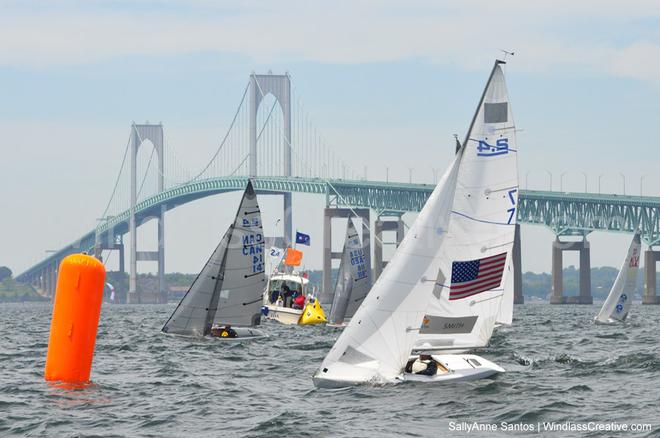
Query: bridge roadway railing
[{"x": 564, "y": 213}]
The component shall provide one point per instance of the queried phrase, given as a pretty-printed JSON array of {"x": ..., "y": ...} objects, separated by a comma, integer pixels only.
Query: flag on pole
[
  {"x": 275, "y": 256},
  {"x": 302, "y": 238},
  {"x": 276, "y": 252},
  {"x": 293, "y": 257},
  {"x": 476, "y": 276}
]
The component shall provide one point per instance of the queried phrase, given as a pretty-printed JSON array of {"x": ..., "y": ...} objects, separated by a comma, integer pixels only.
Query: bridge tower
[
  {"x": 280, "y": 87},
  {"x": 140, "y": 133}
]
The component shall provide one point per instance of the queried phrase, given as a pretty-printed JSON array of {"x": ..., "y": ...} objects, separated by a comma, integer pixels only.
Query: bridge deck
[{"x": 564, "y": 213}]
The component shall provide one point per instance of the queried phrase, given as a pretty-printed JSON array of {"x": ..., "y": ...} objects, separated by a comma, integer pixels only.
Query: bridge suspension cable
[
  {"x": 224, "y": 139},
  {"x": 117, "y": 180}
]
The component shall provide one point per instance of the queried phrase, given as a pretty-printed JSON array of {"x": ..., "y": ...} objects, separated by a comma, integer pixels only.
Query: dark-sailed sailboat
[{"x": 225, "y": 299}]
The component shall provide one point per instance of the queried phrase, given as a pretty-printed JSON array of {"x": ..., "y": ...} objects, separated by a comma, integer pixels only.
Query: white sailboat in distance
[
  {"x": 376, "y": 345},
  {"x": 224, "y": 301},
  {"x": 616, "y": 306}
]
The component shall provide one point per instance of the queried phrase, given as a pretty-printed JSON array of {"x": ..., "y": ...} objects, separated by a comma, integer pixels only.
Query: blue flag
[{"x": 302, "y": 239}]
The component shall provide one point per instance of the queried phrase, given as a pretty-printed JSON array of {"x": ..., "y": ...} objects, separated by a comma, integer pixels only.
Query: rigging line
[
  {"x": 222, "y": 144},
  {"x": 114, "y": 190},
  {"x": 364, "y": 224}
]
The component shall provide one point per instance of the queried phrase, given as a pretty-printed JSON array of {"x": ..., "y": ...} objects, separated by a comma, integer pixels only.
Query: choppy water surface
[{"x": 560, "y": 367}]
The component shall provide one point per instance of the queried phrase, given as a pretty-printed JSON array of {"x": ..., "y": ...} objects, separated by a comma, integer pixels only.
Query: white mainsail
[
  {"x": 477, "y": 250},
  {"x": 377, "y": 342},
  {"x": 620, "y": 298},
  {"x": 354, "y": 279},
  {"x": 229, "y": 287}
]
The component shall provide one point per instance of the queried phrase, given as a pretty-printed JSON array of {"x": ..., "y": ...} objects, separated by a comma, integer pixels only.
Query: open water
[{"x": 561, "y": 368}]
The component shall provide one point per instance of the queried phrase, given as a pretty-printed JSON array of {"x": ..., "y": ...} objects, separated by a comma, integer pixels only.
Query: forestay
[
  {"x": 354, "y": 279},
  {"x": 377, "y": 342},
  {"x": 618, "y": 301},
  {"x": 477, "y": 250},
  {"x": 228, "y": 289}
]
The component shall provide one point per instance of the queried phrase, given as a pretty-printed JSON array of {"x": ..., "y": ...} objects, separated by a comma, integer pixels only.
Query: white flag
[
  {"x": 275, "y": 252},
  {"x": 275, "y": 255}
]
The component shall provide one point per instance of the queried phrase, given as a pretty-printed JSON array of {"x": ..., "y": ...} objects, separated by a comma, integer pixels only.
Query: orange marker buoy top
[{"x": 75, "y": 320}]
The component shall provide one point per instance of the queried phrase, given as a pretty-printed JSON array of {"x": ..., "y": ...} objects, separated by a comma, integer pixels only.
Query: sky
[{"x": 388, "y": 83}]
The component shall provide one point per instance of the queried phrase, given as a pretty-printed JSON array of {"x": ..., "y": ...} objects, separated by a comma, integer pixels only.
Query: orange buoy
[{"x": 75, "y": 319}]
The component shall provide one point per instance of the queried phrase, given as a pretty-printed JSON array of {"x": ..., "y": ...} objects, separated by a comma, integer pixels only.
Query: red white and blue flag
[{"x": 476, "y": 276}]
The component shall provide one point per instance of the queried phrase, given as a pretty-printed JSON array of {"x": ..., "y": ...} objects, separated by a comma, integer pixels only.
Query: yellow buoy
[
  {"x": 313, "y": 314},
  {"x": 75, "y": 319}
]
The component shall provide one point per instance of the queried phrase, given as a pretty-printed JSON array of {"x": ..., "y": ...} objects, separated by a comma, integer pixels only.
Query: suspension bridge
[{"x": 272, "y": 140}]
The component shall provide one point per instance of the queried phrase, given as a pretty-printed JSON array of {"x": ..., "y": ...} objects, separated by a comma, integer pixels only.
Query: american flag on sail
[{"x": 476, "y": 276}]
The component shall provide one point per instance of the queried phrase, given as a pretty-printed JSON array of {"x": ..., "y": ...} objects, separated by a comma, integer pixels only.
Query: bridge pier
[
  {"x": 327, "y": 294},
  {"x": 381, "y": 226},
  {"x": 516, "y": 259},
  {"x": 651, "y": 259},
  {"x": 558, "y": 247},
  {"x": 47, "y": 281},
  {"x": 53, "y": 280},
  {"x": 288, "y": 219}
]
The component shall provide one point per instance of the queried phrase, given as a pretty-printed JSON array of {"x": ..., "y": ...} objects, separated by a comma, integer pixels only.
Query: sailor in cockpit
[{"x": 424, "y": 364}]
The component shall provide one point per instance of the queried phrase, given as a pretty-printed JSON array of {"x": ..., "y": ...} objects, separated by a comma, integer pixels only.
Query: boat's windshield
[{"x": 276, "y": 285}]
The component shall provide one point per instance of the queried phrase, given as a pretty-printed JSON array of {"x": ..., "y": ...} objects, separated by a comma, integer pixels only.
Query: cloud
[{"x": 593, "y": 37}]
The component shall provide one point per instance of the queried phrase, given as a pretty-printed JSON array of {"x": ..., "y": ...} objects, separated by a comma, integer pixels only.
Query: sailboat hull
[
  {"x": 459, "y": 367},
  {"x": 244, "y": 334},
  {"x": 609, "y": 321},
  {"x": 344, "y": 376}
]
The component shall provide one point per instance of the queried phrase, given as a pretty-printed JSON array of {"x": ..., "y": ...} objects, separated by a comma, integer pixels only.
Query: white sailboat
[
  {"x": 446, "y": 239},
  {"x": 353, "y": 281},
  {"x": 617, "y": 304},
  {"x": 225, "y": 298}
]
